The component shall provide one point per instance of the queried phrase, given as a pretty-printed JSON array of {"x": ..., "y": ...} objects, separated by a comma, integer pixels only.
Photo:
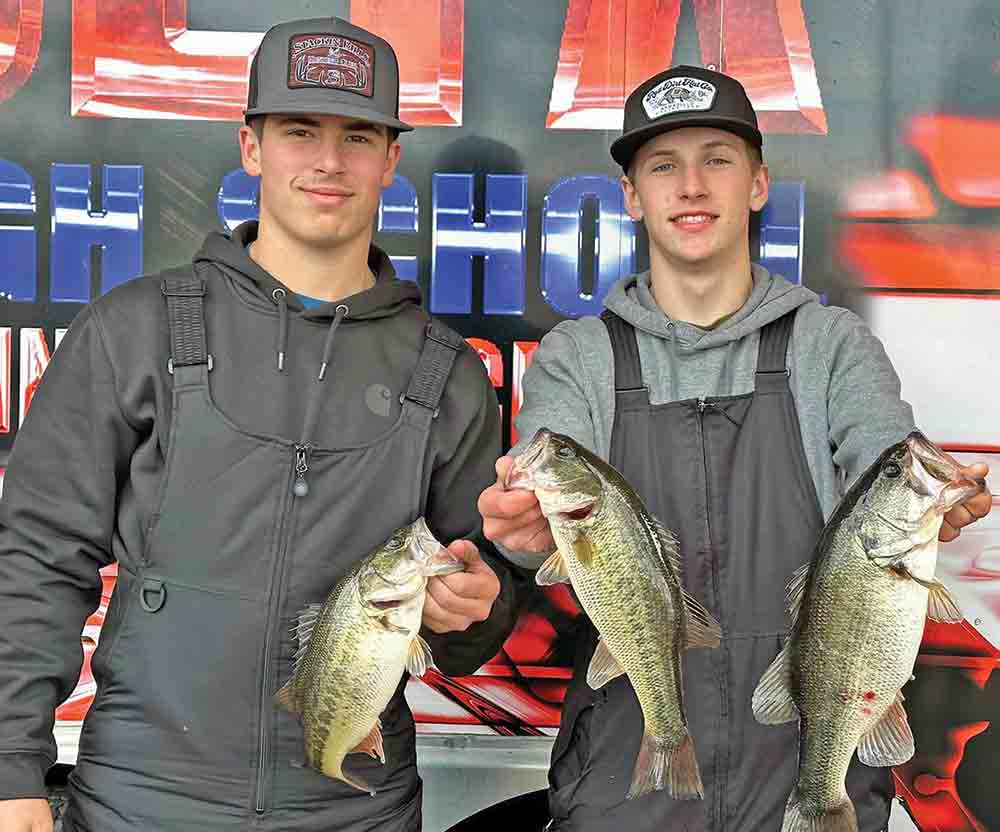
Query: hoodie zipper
[{"x": 299, "y": 487}]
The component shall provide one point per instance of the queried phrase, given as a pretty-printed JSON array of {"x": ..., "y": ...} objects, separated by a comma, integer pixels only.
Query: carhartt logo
[
  {"x": 678, "y": 95},
  {"x": 378, "y": 397},
  {"x": 331, "y": 61}
]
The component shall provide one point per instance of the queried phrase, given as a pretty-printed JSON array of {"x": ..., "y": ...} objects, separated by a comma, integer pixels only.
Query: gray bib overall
[
  {"x": 184, "y": 733},
  {"x": 729, "y": 476}
]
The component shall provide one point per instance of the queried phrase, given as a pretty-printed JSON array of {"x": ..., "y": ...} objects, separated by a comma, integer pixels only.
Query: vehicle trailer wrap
[{"x": 881, "y": 127}]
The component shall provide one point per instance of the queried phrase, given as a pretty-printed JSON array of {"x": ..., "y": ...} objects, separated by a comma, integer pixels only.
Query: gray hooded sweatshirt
[{"x": 846, "y": 391}]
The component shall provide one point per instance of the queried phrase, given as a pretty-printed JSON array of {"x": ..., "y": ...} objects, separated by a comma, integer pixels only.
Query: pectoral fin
[
  {"x": 419, "y": 658},
  {"x": 772, "y": 700},
  {"x": 603, "y": 667},
  {"x": 372, "y": 744},
  {"x": 890, "y": 742},
  {"x": 941, "y": 606},
  {"x": 553, "y": 571}
]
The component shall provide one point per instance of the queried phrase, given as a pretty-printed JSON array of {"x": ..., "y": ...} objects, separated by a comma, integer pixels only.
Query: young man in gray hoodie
[
  {"x": 739, "y": 407},
  {"x": 237, "y": 434}
]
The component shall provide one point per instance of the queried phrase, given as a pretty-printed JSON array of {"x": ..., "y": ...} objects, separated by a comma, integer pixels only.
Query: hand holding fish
[
  {"x": 973, "y": 509},
  {"x": 513, "y": 517},
  {"x": 457, "y": 601}
]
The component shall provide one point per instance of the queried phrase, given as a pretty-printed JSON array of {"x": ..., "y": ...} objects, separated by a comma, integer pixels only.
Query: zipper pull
[
  {"x": 300, "y": 488},
  {"x": 702, "y": 404}
]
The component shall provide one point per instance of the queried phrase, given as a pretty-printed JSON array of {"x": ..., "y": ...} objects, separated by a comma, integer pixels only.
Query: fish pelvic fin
[
  {"x": 603, "y": 667},
  {"x": 286, "y": 700},
  {"x": 772, "y": 700},
  {"x": 553, "y": 571},
  {"x": 372, "y": 744},
  {"x": 700, "y": 627},
  {"x": 890, "y": 741},
  {"x": 660, "y": 766},
  {"x": 419, "y": 657},
  {"x": 941, "y": 605},
  {"x": 840, "y": 818}
]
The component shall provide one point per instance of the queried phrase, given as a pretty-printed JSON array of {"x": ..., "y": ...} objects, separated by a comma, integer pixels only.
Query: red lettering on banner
[
  {"x": 610, "y": 46},
  {"x": 138, "y": 59},
  {"x": 524, "y": 351},
  {"x": 491, "y": 357},
  {"x": 20, "y": 39},
  {"x": 34, "y": 359},
  {"x": 428, "y": 38},
  {"x": 489, "y": 353}
]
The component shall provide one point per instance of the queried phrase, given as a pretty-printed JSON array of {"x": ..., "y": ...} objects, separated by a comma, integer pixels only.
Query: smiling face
[
  {"x": 694, "y": 188},
  {"x": 321, "y": 177}
]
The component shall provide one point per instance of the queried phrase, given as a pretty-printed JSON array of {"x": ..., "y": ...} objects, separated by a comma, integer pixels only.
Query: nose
[
  {"x": 330, "y": 157},
  {"x": 692, "y": 183}
]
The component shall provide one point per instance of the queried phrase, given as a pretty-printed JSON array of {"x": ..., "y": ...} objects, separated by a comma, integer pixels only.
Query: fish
[
  {"x": 355, "y": 646},
  {"x": 858, "y": 609},
  {"x": 624, "y": 568}
]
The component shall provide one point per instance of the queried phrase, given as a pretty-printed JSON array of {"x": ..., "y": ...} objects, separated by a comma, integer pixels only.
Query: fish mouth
[
  {"x": 522, "y": 474},
  {"x": 936, "y": 474},
  {"x": 430, "y": 556}
]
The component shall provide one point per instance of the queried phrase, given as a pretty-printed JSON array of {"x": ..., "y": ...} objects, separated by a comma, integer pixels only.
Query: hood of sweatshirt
[
  {"x": 387, "y": 297},
  {"x": 772, "y": 296}
]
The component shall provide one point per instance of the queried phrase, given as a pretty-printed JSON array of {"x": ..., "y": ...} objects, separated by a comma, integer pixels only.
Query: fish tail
[
  {"x": 660, "y": 766},
  {"x": 839, "y": 818}
]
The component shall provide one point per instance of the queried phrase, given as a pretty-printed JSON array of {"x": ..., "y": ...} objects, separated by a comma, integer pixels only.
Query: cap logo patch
[
  {"x": 332, "y": 62},
  {"x": 679, "y": 95}
]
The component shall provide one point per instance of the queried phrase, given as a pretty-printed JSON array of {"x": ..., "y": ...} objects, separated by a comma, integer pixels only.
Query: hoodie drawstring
[
  {"x": 279, "y": 296},
  {"x": 314, "y": 402},
  {"x": 328, "y": 344}
]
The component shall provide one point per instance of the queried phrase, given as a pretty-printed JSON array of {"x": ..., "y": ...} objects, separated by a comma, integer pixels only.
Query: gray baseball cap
[{"x": 325, "y": 66}]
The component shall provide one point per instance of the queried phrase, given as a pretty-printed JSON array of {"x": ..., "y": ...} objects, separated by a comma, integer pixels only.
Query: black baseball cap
[
  {"x": 325, "y": 66},
  {"x": 685, "y": 96}
]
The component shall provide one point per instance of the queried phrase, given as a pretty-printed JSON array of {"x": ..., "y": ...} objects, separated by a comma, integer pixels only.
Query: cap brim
[
  {"x": 331, "y": 108},
  {"x": 624, "y": 148}
]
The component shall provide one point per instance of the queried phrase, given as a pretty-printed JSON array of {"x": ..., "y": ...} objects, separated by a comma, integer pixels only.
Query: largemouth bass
[
  {"x": 354, "y": 647},
  {"x": 624, "y": 567},
  {"x": 859, "y": 608}
]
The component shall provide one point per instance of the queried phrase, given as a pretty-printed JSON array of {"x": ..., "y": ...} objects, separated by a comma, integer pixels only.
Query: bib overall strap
[
  {"x": 772, "y": 369},
  {"x": 441, "y": 347},
  {"x": 186, "y": 314}
]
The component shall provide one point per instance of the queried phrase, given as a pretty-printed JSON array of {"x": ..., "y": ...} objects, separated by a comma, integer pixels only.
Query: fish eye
[
  {"x": 396, "y": 542},
  {"x": 892, "y": 470},
  {"x": 566, "y": 452}
]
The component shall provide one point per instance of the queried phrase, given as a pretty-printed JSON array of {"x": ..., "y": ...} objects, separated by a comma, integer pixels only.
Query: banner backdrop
[{"x": 882, "y": 132}]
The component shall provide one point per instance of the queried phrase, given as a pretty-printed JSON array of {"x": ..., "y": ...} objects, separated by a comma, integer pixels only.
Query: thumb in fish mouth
[{"x": 958, "y": 491}]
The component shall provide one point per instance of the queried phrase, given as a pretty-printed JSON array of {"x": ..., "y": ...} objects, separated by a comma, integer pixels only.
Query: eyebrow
[
  {"x": 351, "y": 126},
  {"x": 712, "y": 145}
]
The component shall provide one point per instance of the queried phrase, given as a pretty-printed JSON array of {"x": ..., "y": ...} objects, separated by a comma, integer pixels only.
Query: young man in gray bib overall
[
  {"x": 737, "y": 406},
  {"x": 237, "y": 433}
]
